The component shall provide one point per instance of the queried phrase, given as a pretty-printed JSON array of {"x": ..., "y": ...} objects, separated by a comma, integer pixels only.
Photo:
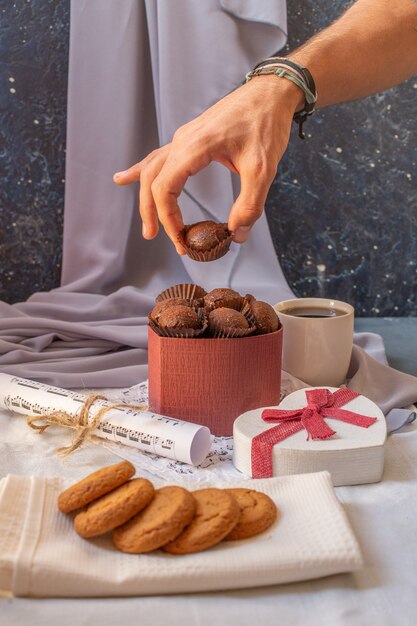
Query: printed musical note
[
  {"x": 57, "y": 393},
  {"x": 121, "y": 432},
  {"x": 30, "y": 386}
]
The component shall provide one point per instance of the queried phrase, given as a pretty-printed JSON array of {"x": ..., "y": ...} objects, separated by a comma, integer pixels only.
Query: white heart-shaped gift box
[{"x": 353, "y": 456}]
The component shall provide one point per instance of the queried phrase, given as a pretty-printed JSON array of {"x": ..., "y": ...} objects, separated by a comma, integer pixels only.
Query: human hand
[{"x": 247, "y": 131}]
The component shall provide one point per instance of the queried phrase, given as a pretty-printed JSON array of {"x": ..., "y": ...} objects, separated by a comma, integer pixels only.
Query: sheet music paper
[{"x": 143, "y": 430}]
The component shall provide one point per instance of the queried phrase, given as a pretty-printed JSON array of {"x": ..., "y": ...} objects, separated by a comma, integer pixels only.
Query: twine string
[{"x": 83, "y": 423}]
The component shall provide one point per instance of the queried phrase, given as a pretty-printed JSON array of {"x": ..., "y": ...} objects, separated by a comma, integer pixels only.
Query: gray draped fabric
[
  {"x": 152, "y": 66},
  {"x": 139, "y": 69}
]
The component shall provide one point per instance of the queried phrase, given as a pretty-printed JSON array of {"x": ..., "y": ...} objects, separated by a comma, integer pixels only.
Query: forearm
[{"x": 372, "y": 47}]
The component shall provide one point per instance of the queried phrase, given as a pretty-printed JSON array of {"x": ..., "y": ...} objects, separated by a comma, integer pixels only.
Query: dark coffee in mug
[{"x": 313, "y": 311}]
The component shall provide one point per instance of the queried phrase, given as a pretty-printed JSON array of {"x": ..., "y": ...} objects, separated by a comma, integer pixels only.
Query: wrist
[
  {"x": 282, "y": 92},
  {"x": 292, "y": 93}
]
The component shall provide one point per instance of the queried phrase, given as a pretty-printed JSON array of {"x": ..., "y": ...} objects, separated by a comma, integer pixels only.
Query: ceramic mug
[{"x": 317, "y": 339}]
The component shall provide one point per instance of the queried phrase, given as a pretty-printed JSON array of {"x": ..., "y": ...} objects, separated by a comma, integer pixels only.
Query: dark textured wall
[
  {"x": 343, "y": 210},
  {"x": 33, "y": 79}
]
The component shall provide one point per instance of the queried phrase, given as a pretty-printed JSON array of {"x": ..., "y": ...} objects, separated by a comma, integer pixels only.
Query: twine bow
[
  {"x": 83, "y": 423},
  {"x": 320, "y": 403}
]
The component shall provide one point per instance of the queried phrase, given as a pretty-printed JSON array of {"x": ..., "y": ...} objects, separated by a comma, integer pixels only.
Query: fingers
[
  {"x": 255, "y": 181},
  {"x": 131, "y": 175},
  {"x": 165, "y": 189},
  {"x": 141, "y": 171},
  {"x": 145, "y": 171},
  {"x": 168, "y": 185},
  {"x": 147, "y": 207},
  {"x": 161, "y": 182},
  {"x": 148, "y": 212}
]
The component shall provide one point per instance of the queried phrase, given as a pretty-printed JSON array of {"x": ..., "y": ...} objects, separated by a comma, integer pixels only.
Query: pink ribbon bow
[{"x": 320, "y": 403}]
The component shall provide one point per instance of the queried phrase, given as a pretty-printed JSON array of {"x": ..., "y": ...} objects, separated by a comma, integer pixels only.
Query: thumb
[{"x": 248, "y": 206}]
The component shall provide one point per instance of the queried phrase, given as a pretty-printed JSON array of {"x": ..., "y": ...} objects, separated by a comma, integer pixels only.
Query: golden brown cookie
[
  {"x": 217, "y": 512},
  {"x": 257, "y": 513},
  {"x": 115, "y": 508},
  {"x": 94, "y": 486},
  {"x": 164, "y": 519}
]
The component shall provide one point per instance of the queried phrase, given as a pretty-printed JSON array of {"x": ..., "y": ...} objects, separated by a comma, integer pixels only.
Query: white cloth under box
[{"x": 41, "y": 555}]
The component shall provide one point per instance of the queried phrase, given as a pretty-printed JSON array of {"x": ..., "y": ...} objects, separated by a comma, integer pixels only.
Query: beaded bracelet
[{"x": 300, "y": 76}]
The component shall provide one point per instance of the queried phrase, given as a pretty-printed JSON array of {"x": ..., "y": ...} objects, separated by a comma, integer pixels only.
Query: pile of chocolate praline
[{"x": 188, "y": 311}]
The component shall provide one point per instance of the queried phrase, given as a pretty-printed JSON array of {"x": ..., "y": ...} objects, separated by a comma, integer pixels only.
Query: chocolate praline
[
  {"x": 179, "y": 317},
  {"x": 163, "y": 305},
  {"x": 226, "y": 320},
  {"x": 204, "y": 236},
  {"x": 265, "y": 317},
  {"x": 223, "y": 297}
]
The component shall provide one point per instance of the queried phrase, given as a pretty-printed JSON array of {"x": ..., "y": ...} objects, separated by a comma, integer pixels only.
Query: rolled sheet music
[{"x": 147, "y": 431}]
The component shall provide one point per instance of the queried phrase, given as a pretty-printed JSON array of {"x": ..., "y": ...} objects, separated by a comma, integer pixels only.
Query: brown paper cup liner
[
  {"x": 181, "y": 333},
  {"x": 249, "y": 298},
  {"x": 247, "y": 312},
  {"x": 234, "y": 333},
  {"x": 183, "y": 290},
  {"x": 208, "y": 255}
]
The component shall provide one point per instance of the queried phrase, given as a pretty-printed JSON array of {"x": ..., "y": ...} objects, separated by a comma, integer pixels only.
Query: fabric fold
[
  {"x": 384, "y": 385},
  {"x": 31, "y": 530},
  {"x": 272, "y": 12}
]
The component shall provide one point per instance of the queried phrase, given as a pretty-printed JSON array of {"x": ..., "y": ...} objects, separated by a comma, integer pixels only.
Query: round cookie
[
  {"x": 257, "y": 513},
  {"x": 94, "y": 486},
  {"x": 217, "y": 512},
  {"x": 115, "y": 508},
  {"x": 164, "y": 519}
]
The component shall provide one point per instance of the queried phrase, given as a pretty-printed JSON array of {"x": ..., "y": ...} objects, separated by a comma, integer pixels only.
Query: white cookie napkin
[{"x": 41, "y": 555}]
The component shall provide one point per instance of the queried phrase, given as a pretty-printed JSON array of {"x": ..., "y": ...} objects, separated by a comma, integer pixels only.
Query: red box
[{"x": 212, "y": 381}]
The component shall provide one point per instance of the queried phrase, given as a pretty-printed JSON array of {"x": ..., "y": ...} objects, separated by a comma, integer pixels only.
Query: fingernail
[
  {"x": 119, "y": 174},
  {"x": 241, "y": 234},
  {"x": 144, "y": 230}
]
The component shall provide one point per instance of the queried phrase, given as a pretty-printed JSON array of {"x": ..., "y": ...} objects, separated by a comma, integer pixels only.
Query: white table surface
[{"x": 383, "y": 516}]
